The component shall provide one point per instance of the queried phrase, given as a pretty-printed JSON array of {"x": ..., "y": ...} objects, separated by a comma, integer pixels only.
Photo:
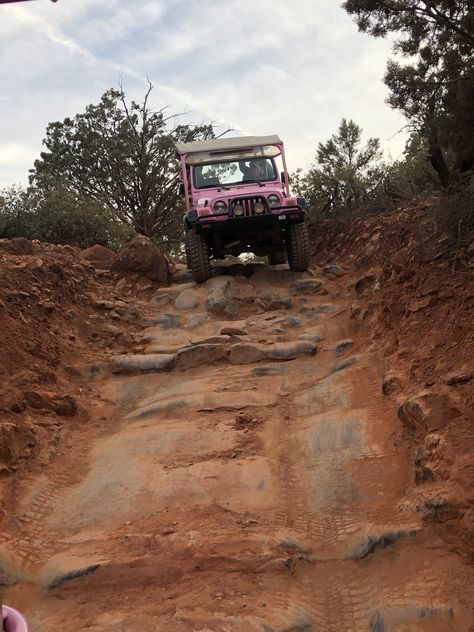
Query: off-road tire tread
[
  {"x": 297, "y": 244},
  {"x": 197, "y": 252}
]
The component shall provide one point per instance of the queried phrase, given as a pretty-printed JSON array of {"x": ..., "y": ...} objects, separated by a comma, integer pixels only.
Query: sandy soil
[{"x": 263, "y": 481}]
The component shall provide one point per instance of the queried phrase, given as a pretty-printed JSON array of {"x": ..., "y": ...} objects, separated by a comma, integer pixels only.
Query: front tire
[
  {"x": 297, "y": 246},
  {"x": 197, "y": 255}
]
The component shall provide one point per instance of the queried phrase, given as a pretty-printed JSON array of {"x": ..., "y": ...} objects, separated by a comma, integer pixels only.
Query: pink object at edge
[{"x": 13, "y": 621}]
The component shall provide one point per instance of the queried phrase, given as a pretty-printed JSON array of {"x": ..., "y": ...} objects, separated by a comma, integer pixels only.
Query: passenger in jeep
[{"x": 255, "y": 170}]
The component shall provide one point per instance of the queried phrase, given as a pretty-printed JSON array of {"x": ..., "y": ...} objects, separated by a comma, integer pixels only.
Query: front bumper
[{"x": 280, "y": 217}]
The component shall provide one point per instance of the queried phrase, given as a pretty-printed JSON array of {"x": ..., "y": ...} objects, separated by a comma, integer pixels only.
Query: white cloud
[{"x": 294, "y": 68}]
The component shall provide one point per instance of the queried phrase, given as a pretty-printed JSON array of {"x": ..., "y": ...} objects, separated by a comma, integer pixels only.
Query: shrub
[{"x": 59, "y": 217}]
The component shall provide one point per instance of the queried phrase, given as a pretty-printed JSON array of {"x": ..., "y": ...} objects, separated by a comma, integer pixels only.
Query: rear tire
[
  {"x": 197, "y": 256},
  {"x": 277, "y": 258},
  {"x": 297, "y": 246}
]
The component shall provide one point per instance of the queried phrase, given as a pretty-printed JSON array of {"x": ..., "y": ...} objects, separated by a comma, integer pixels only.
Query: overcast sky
[{"x": 291, "y": 67}]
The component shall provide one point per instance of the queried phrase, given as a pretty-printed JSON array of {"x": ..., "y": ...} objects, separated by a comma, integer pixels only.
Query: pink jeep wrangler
[{"x": 237, "y": 201}]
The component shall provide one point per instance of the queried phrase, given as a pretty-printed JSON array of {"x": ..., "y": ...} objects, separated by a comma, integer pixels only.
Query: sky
[{"x": 289, "y": 67}]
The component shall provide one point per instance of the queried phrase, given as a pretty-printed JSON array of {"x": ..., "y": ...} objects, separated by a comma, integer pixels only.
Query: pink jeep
[
  {"x": 237, "y": 201},
  {"x": 12, "y": 621}
]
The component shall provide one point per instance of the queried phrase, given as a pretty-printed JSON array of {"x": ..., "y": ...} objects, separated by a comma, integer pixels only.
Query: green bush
[
  {"x": 59, "y": 217},
  {"x": 454, "y": 215}
]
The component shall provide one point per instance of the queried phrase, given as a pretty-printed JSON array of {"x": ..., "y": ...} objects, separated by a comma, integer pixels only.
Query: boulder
[
  {"x": 220, "y": 299},
  {"x": 391, "y": 383},
  {"x": 271, "y": 302},
  {"x": 427, "y": 412},
  {"x": 365, "y": 284},
  {"x": 142, "y": 256},
  {"x": 246, "y": 353},
  {"x": 343, "y": 346},
  {"x": 310, "y": 337},
  {"x": 199, "y": 355},
  {"x": 130, "y": 363},
  {"x": 63, "y": 405},
  {"x": 21, "y": 246},
  {"x": 187, "y": 299},
  {"x": 291, "y": 350},
  {"x": 100, "y": 256}
]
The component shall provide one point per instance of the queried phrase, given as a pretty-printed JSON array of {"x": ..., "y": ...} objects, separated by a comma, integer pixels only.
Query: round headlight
[
  {"x": 220, "y": 206},
  {"x": 238, "y": 210},
  {"x": 273, "y": 200},
  {"x": 259, "y": 208}
]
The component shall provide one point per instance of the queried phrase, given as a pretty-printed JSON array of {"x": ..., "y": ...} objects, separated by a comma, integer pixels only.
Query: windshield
[{"x": 233, "y": 172}]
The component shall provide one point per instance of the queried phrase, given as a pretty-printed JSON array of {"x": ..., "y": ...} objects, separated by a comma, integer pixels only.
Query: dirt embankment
[
  {"x": 419, "y": 314},
  {"x": 60, "y": 318},
  {"x": 267, "y": 451}
]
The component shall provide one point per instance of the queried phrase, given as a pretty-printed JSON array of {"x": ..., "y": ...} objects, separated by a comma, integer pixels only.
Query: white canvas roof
[{"x": 223, "y": 144}]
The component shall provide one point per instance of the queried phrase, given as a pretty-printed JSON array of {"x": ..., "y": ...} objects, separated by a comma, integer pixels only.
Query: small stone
[
  {"x": 343, "y": 364},
  {"x": 294, "y": 321},
  {"x": 355, "y": 311},
  {"x": 343, "y": 346},
  {"x": 332, "y": 271},
  {"x": 113, "y": 330},
  {"x": 309, "y": 286},
  {"x": 458, "y": 377},
  {"x": 103, "y": 304},
  {"x": 291, "y": 350},
  {"x": 168, "y": 531},
  {"x": 232, "y": 331},
  {"x": 160, "y": 300},
  {"x": 365, "y": 283},
  {"x": 188, "y": 299},
  {"x": 391, "y": 383}
]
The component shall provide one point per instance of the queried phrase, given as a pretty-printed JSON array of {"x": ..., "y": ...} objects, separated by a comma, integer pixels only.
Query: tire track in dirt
[{"x": 287, "y": 518}]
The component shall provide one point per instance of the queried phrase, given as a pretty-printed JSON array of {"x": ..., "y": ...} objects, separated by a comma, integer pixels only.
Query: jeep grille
[{"x": 248, "y": 204}]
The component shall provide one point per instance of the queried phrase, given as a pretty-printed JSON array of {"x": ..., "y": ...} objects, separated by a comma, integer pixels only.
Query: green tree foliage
[
  {"x": 58, "y": 216},
  {"x": 432, "y": 82},
  {"x": 346, "y": 173},
  {"x": 120, "y": 156}
]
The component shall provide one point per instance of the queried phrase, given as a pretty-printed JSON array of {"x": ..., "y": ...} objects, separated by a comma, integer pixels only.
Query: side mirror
[
  {"x": 181, "y": 188},
  {"x": 282, "y": 176}
]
